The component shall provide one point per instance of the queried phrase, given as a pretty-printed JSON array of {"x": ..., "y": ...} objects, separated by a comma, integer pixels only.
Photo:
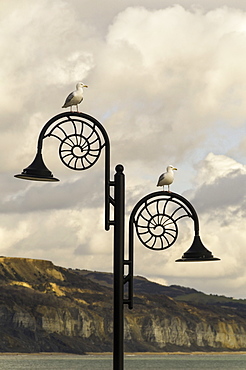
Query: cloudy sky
[{"x": 168, "y": 82}]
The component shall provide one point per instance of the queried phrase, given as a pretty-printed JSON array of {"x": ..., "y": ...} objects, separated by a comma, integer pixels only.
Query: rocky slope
[{"x": 46, "y": 308}]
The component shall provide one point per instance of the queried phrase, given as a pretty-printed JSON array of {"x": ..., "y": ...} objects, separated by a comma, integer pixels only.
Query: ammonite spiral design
[
  {"x": 81, "y": 142},
  {"x": 79, "y": 151},
  {"x": 156, "y": 222}
]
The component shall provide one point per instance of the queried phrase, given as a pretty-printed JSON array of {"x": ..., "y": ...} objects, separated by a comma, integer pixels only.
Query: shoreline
[
  {"x": 169, "y": 353},
  {"x": 126, "y": 353}
]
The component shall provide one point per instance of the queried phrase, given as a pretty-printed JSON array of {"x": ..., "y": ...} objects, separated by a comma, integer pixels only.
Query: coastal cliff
[{"x": 46, "y": 308}]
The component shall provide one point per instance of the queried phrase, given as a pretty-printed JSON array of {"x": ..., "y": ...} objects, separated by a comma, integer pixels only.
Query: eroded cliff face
[
  {"x": 167, "y": 333},
  {"x": 48, "y": 308}
]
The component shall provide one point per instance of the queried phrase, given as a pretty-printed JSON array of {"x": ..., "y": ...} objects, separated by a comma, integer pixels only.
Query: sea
[{"x": 131, "y": 362}]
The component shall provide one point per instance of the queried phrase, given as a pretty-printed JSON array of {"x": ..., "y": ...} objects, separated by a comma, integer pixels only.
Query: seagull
[
  {"x": 167, "y": 177},
  {"x": 75, "y": 97}
]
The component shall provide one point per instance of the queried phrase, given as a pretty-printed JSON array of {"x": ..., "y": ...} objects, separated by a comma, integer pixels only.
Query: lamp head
[
  {"x": 197, "y": 252},
  {"x": 37, "y": 171}
]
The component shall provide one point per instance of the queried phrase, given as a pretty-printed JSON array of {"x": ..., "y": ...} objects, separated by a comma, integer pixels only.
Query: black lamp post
[{"x": 82, "y": 138}]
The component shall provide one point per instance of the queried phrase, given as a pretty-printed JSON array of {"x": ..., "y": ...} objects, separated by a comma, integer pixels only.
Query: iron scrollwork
[
  {"x": 156, "y": 220},
  {"x": 82, "y": 139},
  {"x": 81, "y": 142}
]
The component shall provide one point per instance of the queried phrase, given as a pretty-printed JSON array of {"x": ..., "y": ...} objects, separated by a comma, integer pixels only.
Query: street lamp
[{"x": 82, "y": 139}]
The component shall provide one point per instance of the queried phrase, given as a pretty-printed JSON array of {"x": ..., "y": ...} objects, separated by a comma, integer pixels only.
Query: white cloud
[
  {"x": 215, "y": 167},
  {"x": 168, "y": 83}
]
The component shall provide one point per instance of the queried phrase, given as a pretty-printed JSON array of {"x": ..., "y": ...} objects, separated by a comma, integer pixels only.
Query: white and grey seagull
[
  {"x": 167, "y": 177},
  {"x": 75, "y": 97}
]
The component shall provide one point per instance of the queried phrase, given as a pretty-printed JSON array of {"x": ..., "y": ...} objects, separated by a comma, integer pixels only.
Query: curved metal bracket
[
  {"x": 155, "y": 219},
  {"x": 82, "y": 139}
]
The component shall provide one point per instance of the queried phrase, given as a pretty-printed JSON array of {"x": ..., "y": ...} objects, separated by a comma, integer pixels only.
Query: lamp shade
[
  {"x": 197, "y": 252},
  {"x": 37, "y": 171}
]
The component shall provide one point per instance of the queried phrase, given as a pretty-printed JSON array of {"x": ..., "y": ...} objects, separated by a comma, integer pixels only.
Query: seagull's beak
[
  {"x": 174, "y": 168},
  {"x": 85, "y": 86}
]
